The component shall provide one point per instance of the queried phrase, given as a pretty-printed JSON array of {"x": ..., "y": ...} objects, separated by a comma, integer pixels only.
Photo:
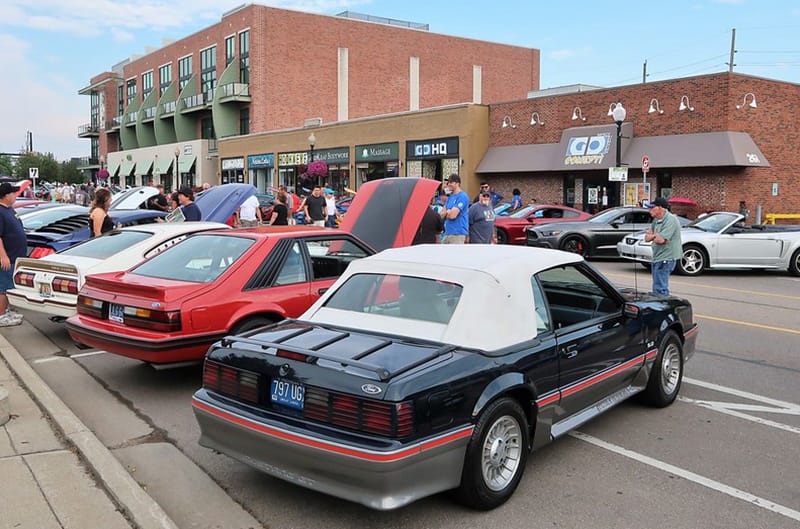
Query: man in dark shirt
[
  {"x": 159, "y": 201},
  {"x": 430, "y": 227},
  {"x": 13, "y": 244},
  {"x": 314, "y": 207},
  {"x": 186, "y": 199}
]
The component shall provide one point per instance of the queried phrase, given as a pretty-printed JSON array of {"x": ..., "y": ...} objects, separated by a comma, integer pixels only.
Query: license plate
[
  {"x": 287, "y": 393},
  {"x": 116, "y": 313},
  {"x": 45, "y": 290}
]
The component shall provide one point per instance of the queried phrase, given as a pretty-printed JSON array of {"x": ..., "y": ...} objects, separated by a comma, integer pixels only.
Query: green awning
[
  {"x": 143, "y": 167},
  {"x": 185, "y": 162},
  {"x": 163, "y": 165},
  {"x": 126, "y": 168},
  {"x": 113, "y": 167}
]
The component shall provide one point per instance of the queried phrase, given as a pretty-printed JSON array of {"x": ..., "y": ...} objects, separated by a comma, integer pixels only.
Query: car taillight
[
  {"x": 90, "y": 307},
  {"x": 63, "y": 284},
  {"x": 294, "y": 356},
  {"x": 388, "y": 419},
  {"x": 24, "y": 279},
  {"x": 41, "y": 251},
  {"x": 156, "y": 320},
  {"x": 231, "y": 381}
]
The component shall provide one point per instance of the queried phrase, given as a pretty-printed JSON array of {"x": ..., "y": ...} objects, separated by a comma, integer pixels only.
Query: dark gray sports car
[{"x": 596, "y": 237}]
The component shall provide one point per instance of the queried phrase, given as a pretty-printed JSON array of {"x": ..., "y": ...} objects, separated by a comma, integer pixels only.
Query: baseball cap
[
  {"x": 186, "y": 191},
  {"x": 454, "y": 178},
  {"x": 660, "y": 202},
  {"x": 6, "y": 188},
  {"x": 328, "y": 191}
]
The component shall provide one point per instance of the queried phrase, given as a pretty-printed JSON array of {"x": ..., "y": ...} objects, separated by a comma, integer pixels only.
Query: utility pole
[
  {"x": 733, "y": 50},
  {"x": 644, "y": 72}
]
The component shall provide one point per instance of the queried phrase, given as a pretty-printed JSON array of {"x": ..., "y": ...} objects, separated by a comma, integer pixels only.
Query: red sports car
[
  {"x": 511, "y": 229},
  {"x": 172, "y": 307}
]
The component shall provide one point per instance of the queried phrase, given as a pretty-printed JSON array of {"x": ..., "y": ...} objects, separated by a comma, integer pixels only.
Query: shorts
[
  {"x": 6, "y": 279},
  {"x": 454, "y": 239},
  {"x": 248, "y": 223}
]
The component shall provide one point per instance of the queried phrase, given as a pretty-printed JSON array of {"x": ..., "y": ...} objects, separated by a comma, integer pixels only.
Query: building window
[
  {"x": 120, "y": 100},
  {"x": 130, "y": 88},
  {"x": 207, "y": 129},
  {"x": 208, "y": 72},
  {"x": 244, "y": 121},
  {"x": 664, "y": 180},
  {"x": 95, "y": 156},
  {"x": 184, "y": 71},
  {"x": 244, "y": 57},
  {"x": 230, "y": 49},
  {"x": 95, "y": 110},
  {"x": 164, "y": 78},
  {"x": 147, "y": 84}
]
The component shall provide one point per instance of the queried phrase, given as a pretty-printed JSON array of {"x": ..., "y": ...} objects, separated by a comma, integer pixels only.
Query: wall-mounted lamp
[
  {"x": 752, "y": 103},
  {"x": 611, "y": 109},
  {"x": 654, "y": 107},
  {"x": 577, "y": 114},
  {"x": 685, "y": 104},
  {"x": 536, "y": 120},
  {"x": 507, "y": 123}
]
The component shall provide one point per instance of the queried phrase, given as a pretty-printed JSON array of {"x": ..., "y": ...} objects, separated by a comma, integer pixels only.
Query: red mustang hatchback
[
  {"x": 511, "y": 229},
  {"x": 172, "y": 307}
]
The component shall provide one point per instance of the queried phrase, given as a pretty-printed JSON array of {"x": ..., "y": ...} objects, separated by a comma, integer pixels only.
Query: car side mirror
[{"x": 631, "y": 311}]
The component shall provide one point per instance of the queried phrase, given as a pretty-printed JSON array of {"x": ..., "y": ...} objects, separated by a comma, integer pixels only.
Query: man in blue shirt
[
  {"x": 186, "y": 199},
  {"x": 13, "y": 244},
  {"x": 455, "y": 212}
]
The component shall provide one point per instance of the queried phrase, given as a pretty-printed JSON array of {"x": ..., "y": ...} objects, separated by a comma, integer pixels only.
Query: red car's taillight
[
  {"x": 63, "y": 284},
  {"x": 41, "y": 251},
  {"x": 231, "y": 381},
  {"x": 155, "y": 320},
  {"x": 90, "y": 307},
  {"x": 24, "y": 279}
]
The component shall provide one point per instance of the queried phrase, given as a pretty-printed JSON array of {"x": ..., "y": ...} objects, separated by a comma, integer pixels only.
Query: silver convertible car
[{"x": 722, "y": 241}]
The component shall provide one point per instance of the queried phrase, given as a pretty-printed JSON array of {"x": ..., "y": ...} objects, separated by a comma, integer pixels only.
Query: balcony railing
[
  {"x": 87, "y": 162},
  {"x": 194, "y": 101},
  {"x": 235, "y": 91},
  {"x": 89, "y": 129},
  {"x": 132, "y": 117},
  {"x": 150, "y": 112},
  {"x": 114, "y": 123},
  {"x": 169, "y": 108}
]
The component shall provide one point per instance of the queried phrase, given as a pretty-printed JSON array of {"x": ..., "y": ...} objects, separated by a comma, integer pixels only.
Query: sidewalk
[{"x": 54, "y": 472}]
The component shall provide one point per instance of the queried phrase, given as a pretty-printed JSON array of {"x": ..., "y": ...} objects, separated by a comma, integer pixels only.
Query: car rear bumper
[
  {"x": 382, "y": 479},
  {"x": 145, "y": 348},
  {"x": 53, "y": 307},
  {"x": 635, "y": 252}
]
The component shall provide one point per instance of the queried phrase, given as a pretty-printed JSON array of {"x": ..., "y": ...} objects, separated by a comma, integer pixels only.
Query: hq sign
[{"x": 583, "y": 150}]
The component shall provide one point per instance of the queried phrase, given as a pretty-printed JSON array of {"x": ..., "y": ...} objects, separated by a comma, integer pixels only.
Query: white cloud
[{"x": 569, "y": 53}]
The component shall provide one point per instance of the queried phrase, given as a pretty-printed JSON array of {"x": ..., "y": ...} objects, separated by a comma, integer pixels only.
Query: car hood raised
[
  {"x": 386, "y": 213},
  {"x": 133, "y": 198},
  {"x": 219, "y": 203}
]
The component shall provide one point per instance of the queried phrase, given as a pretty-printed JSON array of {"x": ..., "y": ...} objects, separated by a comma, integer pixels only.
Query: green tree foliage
[
  {"x": 47, "y": 164},
  {"x": 68, "y": 172},
  {"x": 6, "y": 165}
]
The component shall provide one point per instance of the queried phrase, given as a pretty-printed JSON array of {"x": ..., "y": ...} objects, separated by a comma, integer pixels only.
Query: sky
[{"x": 52, "y": 48}]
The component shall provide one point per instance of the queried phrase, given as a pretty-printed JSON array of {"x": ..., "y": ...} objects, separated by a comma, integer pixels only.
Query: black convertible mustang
[{"x": 399, "y": 382}]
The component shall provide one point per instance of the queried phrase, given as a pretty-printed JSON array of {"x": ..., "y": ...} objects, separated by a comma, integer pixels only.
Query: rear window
[
  {"x": 398, "y": 296},
  {"x": 35, "y": 220},
  {"x": 198, "y": 259},
  {"x": 107, "y": 245}
]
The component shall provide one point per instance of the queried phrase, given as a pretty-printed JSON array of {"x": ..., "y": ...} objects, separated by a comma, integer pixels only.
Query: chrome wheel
[
  {"x": 501, "y": 453},
  {"x": 693, "y": 261},
  {"x": 670, "y": 369}
]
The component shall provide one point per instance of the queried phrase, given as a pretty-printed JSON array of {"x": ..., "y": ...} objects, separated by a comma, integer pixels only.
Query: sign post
[
  {"x": 645, "y": 167},
  {"x": 33, "y": 173}
]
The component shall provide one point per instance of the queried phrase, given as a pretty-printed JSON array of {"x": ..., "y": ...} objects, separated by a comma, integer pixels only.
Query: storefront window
[
  {"x": 376, "y": 161},
  {"x": 664, "y": 181},
  {"x": 260, "y": 171},
  {"x": 233, "y": 171}
]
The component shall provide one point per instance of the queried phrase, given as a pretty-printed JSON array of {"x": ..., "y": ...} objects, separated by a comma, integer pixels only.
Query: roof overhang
[{"x": 94, "y": 86}]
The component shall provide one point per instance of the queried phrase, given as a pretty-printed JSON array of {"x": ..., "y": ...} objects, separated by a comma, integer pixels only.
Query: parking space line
[
  {"x": 729, "y": 408},
  {"x": 91, "y": 353},
  {"x": 726, "y": 289},
  {"x": 691, "y": 476},
  {"x": 740, "y": 393},
  {"x": 748, "y": 324}
]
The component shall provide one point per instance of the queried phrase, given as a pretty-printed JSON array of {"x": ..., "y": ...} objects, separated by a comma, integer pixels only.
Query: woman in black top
[
  {"x": 280, "y": 213},
  {"x": 99, "y": 221}
]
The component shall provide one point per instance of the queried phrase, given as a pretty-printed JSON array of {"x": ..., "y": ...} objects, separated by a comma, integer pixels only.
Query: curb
[
  {"x": 142, "y": 510},
  {"x": 4, "y": 415}
]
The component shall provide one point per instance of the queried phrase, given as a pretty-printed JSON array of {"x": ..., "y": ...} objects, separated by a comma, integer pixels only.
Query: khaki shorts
[
  {"x": 248, "y": 223},
  {"x": 454, "y": 239}
]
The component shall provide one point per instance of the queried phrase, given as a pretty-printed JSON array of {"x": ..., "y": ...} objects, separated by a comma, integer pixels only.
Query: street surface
[{"x": 724, "y": 456}]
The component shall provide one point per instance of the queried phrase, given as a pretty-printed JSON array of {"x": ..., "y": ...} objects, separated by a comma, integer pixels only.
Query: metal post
[{"x": 619, "y": 143}]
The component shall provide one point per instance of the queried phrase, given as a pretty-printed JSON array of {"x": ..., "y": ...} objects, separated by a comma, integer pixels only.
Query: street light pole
[
  {"x": 619, "y": 114},
  {"x": 311, "y": 141},
  {"x": 176, "y": 170}
]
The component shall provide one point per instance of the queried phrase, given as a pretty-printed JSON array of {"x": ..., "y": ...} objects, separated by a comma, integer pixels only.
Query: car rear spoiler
[{"x": 313, "y": 354}]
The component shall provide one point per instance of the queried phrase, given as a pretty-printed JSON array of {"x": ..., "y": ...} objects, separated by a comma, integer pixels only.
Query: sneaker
[{"x": 10, "y": 319}]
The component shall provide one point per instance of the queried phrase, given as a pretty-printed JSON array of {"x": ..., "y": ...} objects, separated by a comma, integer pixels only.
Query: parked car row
[{"x": 350, "y": 363}]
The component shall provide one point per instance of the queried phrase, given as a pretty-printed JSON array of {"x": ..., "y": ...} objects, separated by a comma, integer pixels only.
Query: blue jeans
[{"x": 661, "y": 272}]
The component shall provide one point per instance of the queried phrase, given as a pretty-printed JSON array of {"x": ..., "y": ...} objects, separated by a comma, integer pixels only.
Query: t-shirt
[
  {"x": 283, "y": 216},
  {"x": 429, "y": 228},
  {"x": 157, "y": 202},
  {"x": 316, "y": 207},
  {"x": 191, "y": 212},
  {"x": 481, "y": 223},
  {"x": 670, "y": 228},
  {"x": 460, "y": 224},
  {"x": 247, "y": 211},
  {"x": 12, "y": 233}
]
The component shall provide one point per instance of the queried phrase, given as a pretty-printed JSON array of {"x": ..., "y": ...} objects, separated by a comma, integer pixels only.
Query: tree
[
  {"x": 48, "y": 166},
  {"x": 6, "y": 165},
  {"x": 69, "y": 172}
]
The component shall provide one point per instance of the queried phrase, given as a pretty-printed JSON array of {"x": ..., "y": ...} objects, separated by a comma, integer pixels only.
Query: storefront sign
[
  {"x": 441, "y": 148},
  {"x": 379, "y": 152},
  {"x": 260, "y": 160},
  {"x": 333, "y": 156},
  {"x": 293, "y": 158},
  {"x": 587, "y": 150},
  {"x": 232, "y": 163}
]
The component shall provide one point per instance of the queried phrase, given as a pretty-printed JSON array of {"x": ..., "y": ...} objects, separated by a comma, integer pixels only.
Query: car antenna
[{"x": 635, "y": 268}]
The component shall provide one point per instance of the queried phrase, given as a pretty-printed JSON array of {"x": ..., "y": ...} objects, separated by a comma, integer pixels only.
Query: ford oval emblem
[
  {"x": 155, "y": 305},
  {"x": 371, "y": 389}
]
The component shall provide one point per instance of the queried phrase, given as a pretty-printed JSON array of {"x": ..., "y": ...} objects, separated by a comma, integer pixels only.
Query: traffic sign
[
  {"x": 645, "y": 163},
  {"x": 33, "y": 173},
  {"x": 617, "y": 174}
]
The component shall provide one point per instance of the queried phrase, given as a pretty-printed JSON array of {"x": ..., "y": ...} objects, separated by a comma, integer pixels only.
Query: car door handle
[
  {"x": 321, "y": 291},
  {"x": 570, "y": 351}
]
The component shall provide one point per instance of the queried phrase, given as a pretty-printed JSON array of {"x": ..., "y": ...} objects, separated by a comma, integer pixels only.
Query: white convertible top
[{"x": 496, "y": 308}]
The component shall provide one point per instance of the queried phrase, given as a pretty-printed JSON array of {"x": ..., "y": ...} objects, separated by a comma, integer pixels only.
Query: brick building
[
  {"x": 720, "y": 140},
  {"x": 264, "y": 69}
]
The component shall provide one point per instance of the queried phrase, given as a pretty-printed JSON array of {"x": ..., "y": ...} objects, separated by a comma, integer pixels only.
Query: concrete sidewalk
[{"x": 54, "y": 472}]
